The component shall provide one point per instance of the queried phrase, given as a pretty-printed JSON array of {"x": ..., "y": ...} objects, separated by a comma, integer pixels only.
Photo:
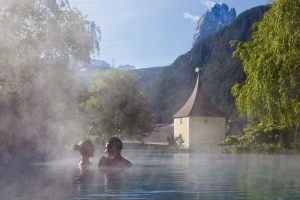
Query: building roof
[
  {"x": 199, "y": 104},
  {"x": 160, "y": 134}
]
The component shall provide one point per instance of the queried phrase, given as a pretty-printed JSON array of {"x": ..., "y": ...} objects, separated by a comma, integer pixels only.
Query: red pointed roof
[{"x": 199, "y": 104}]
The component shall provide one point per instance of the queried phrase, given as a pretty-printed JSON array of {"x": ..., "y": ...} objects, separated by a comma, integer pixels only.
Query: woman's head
[{"x": 85, "y": 148}]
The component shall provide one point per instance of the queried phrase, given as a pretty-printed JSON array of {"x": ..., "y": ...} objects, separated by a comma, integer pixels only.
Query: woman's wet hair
[
  {"x": 115, "y": 141},
  {"x": 82, "y": 146}
]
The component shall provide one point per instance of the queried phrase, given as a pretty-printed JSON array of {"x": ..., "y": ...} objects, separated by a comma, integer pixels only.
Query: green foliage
[
  {"x": 38, "y": 40},
  {"x": 261, "y": 134},
  {"x": 175, "y": 141},
  {"x": 263, "y": 139},
  {"x": 230, "y": 140},
  {"x": 271, "y": 92},
  {"x": 117, "y": 108}
]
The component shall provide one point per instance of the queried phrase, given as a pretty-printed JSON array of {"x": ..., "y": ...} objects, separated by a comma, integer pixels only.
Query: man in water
[{"x": 114, "y": 158}]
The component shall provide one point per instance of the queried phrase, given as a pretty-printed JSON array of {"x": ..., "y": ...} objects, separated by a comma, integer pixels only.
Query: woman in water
[
  {"x": 86, "y": 149},
  {"x": 114, "y": 158}
]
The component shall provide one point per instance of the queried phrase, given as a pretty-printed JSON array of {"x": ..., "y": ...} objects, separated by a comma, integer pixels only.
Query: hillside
[
  {"x": 169, "y": 89},
  {"x": 147, "y": 77}
]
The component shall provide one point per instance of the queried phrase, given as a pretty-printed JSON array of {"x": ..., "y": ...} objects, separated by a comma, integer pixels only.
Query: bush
[
  {"x": 175, "y": 141},
  {"x": 262, "y": 139},
  {"x": 231, "y": 140}
]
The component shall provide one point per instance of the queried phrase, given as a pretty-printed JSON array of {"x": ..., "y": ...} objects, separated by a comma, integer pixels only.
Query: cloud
[
  {"x": 189, "y": 16},
  {"x": 208, "y": 3}
]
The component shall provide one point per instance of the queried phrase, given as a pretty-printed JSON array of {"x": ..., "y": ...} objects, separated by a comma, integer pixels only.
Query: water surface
[{"x": 157, "y": 175}]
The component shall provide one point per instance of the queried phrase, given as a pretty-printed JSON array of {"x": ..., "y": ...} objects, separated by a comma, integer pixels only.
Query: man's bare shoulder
[
  {"x": 102, "y": 162},
  {"x": 126, "y": 163}
]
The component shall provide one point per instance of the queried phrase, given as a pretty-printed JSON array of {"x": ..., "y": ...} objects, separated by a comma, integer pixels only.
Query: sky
[{"x": 149, "y": 33}]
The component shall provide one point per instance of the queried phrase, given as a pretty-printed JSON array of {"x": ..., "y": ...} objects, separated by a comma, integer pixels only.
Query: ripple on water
[{"x": 157, "y": 176}]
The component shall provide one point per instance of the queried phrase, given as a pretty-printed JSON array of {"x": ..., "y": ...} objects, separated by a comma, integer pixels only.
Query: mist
[{"x": 42, "y": 42}]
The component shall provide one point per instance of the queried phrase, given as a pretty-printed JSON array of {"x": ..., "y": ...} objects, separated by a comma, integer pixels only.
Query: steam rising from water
[
  {"x": 157, "y": 175},
  {"x": 39, "y": 113}
]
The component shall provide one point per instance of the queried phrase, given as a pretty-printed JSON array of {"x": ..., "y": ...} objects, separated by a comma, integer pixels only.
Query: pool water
[{"x": 158, "y": 175}]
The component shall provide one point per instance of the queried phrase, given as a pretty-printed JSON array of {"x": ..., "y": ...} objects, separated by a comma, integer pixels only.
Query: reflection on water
[
  {"x": 82, "y": 183},
  {"x": 162, "y": 176}
]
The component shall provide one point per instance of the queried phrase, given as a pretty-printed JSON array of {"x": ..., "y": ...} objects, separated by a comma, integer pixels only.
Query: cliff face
[{"x": 217, "y": 18}]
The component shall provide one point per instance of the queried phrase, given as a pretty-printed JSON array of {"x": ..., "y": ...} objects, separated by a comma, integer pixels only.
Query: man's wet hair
[{"x": 116, "y": 142}]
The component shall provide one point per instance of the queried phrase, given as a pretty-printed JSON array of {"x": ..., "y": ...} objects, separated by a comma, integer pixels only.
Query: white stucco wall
[
  {"x": 181, "y": 126},
  {"x": 198, "y": 132},
  {"x": 206, "y": 131}
]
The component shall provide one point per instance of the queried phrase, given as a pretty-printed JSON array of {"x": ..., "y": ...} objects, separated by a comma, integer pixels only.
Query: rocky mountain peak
[{"x": 214, "y": 19}]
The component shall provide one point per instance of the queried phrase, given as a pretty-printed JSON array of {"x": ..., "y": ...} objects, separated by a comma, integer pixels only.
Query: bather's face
[
  {"x": 111, "y": 149},
  {"x": 91, "y": 151},
  {"x": 108, "y": 148}
]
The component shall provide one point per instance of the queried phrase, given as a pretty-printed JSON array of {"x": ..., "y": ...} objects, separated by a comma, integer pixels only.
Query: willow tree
[
  {"x": 38, "y": 40},
  {"x": 117, "y": 108},
  {"x": 271, "y": 60}
]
